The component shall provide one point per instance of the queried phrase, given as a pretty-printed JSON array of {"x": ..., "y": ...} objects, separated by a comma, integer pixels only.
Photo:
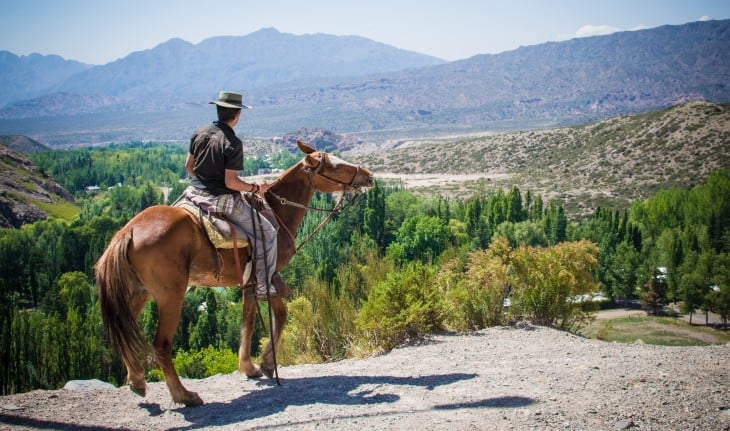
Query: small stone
[
  {"x": 623, "y": 425},
  {"x": 86, "y": 385},
  {"x": 10, "y": 407}
]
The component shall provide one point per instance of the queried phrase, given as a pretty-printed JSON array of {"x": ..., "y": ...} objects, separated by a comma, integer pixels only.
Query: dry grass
[{"x": 665, "y": 331}]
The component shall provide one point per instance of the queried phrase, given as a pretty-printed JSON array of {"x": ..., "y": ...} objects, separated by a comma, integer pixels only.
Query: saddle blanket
[{"x": 218, "y": 229}]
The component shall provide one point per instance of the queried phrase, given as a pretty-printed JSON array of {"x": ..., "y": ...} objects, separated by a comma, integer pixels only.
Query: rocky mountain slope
[
  {"x": 607, "y": 163},
  {"x": 26, "y": 193},
  {"x": 22, "y": 144}
]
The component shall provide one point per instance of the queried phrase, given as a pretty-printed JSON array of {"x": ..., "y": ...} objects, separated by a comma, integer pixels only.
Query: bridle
[{"x": 340, "y": 205}]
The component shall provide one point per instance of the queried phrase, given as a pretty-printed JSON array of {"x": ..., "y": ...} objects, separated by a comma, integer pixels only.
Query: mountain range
[
  {"x": 177, "y": 72},
  {"x": 349, "y": 84}
]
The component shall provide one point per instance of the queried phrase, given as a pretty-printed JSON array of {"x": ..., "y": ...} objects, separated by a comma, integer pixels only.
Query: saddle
[
  {"x": 215, "y": 225},
  {"x": 217, "y": 228}
]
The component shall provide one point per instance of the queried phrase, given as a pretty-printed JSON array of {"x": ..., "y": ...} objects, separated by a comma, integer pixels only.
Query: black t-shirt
[{"x": 215, "y": 148}]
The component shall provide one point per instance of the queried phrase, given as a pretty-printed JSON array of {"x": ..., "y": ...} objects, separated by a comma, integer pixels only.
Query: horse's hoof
[
  {"x": 141, "y": 391},
  {"x": 193, "y": 400},
  {"x": 267, "y": 371},
  {"x": 254, "y": 374}
]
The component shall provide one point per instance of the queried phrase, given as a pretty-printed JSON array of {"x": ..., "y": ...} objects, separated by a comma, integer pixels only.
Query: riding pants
[{"x": 261, "y": 234}]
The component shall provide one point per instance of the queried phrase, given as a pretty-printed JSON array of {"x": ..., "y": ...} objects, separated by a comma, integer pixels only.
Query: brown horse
[{"x": 163, "y": 249}]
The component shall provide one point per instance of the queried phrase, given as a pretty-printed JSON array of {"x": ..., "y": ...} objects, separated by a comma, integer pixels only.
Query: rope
[
  {"x": 256, "y": 216},
  {"x": 338, "y": 208}
]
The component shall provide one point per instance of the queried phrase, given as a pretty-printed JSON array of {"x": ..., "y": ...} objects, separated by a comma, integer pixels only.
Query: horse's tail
[{"x": 116, "y": 281}]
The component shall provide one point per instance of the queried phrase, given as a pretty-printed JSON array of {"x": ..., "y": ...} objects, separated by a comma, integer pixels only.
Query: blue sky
[{"x": 100, "y": 31}]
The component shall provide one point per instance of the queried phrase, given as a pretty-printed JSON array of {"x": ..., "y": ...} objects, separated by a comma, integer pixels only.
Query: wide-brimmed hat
[{"x": 229, "y": 99}]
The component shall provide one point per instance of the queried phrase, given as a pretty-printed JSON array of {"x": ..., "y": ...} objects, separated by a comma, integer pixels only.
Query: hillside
[
  {"x": 27, "y": 194},
  {"x": 607, "y": 163},
  {"x": 354, "y": 85},
  {"x": 22, "y": 144},
  {"x": 500, "y": 378}
]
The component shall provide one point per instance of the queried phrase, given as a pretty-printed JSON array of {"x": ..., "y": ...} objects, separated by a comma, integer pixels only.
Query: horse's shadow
[{"x": 335, "y": 390}]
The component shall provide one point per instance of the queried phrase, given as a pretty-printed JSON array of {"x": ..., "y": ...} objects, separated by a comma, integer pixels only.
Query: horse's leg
[
  {"x": 135, "y": 372},
  {"x": 278, "y": 310},
  {"x": 248, "y": 321},
  {"x": 169, "y": 317}
]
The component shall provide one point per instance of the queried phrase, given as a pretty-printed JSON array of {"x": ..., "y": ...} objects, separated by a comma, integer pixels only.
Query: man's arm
[{"x": 233, "y": 182}]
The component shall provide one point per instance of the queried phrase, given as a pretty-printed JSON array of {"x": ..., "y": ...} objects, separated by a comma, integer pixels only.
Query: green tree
[
  {"x": 205, "y": 330},
  {"x": 423, "y": 237},
  {"x": 76, "y": 291},
  {"x": 374, "y": 217},
  {"x": 719, "y": 294},
  {"x": 515, "y": 212},
  {"x": 283, "y": 159},
  {"x": 623, "y": 274},
  {"x": 695, "y": 282},
  {"x": 654, "y": 295},
  {"x": 476, "y": 226}
]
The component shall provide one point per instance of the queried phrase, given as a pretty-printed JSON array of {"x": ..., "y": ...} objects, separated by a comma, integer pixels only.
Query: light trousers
[{"x": 261, "y": 235}]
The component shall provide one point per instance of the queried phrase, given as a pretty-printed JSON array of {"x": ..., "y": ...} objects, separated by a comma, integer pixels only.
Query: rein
[
  {"x": 347, "y": 189},
  {"x": 338, "y": 208}
]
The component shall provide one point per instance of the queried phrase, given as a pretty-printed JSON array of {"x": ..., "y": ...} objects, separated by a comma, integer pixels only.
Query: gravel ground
[{"x": 522, "y": 377}]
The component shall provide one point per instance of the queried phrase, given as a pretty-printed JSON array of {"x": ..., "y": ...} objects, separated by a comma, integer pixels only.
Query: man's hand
[{"x": 263, "y": 188}]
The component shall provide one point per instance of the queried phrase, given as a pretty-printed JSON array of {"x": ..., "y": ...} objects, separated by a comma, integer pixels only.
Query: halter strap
[{"x": 339, "y": 207}]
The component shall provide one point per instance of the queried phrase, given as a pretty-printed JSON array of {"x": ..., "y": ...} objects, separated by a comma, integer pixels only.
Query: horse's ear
[{"x": 306, "y": 149}]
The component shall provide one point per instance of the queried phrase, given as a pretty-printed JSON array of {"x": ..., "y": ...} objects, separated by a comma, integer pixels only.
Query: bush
[
  {"x": 320, "y": 326},
  {"x": 207, "y": 362},
  {"x": 474, "y": 295},
  {"x": 404, "y": 305},
  {"x": 547, "y": 281}
]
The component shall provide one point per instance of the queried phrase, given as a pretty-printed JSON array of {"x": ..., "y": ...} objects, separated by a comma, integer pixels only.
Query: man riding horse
[
  {"x": 213, "y": 162},
  {"x": 164, "y": 249}
]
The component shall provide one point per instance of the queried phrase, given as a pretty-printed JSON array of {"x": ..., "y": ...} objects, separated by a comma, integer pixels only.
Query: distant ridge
[
  {"x": 22, "y": 144},
  {"x": 30, "y": 76},
  {"x": 178, "y": 72},
  {"x": 349, "y": 84}
]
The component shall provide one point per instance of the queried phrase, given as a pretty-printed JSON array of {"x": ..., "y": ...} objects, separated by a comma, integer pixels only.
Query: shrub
[
  {"x": 404, "y": 305},
  {"x": 206, "y": 362},
  {"x": 474, "y": 294},
  {"x": 548, "y": 281},
  {"x": 321, "y": 325}
]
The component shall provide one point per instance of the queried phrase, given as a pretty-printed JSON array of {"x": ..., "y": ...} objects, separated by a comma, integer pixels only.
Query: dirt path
[{"x": 518, "y": 378}]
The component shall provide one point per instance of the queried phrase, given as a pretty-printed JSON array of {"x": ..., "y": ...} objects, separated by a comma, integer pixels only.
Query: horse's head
[{"x": 331, "y": 174}]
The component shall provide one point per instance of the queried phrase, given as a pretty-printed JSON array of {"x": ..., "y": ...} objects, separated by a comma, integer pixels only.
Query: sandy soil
[{"x": 513, "y": 378}]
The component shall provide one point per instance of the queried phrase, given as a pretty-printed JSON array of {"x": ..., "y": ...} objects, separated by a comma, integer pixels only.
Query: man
[{"x": 213, "y": 162}]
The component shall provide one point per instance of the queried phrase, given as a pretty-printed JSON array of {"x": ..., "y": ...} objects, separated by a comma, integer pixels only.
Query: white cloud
[
  {"x": 704, "y": 18},
  {"x": 639, "y": 27},
  {"x": 595, "y": 30},
  {"x": 598, "y": 30}
]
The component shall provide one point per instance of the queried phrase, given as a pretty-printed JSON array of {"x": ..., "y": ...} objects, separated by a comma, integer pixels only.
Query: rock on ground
[{"x": 502, "y": 378}]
